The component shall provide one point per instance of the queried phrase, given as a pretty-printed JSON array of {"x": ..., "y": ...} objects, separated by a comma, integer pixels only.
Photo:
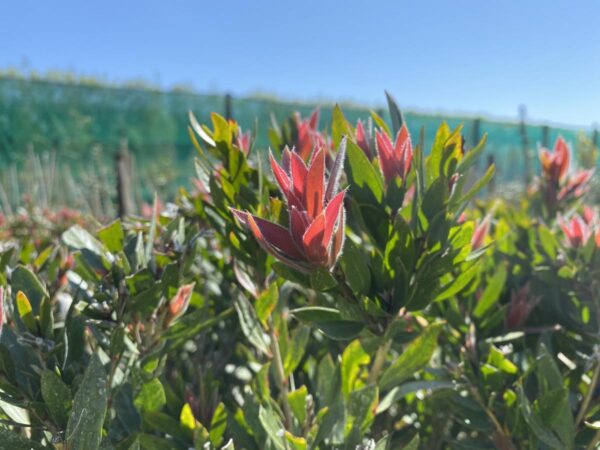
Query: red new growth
[
  {"x": 308, "y": 134},
  {"x": 480, "y": 233},
  {"x": 576, "y": 231},
  {"x": 394, "y": 159},
  {"x": 315, "y": 235},
  {"x": 179, "y": 303},
  {"x": 555, "y": 164}
]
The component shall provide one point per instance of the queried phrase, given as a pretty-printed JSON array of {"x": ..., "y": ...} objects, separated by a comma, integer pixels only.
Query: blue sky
[{"x": 458, "y": 56}]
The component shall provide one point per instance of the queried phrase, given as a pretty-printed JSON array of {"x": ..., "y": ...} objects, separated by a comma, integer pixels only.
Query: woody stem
[
  {"x": 379, "y": 361},
  {"x": 280, "y": 377},
  {"x": 588, "y": 396}
]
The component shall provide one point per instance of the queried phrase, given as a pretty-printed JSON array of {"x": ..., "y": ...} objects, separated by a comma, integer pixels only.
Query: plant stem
[
  {"x": 594, "y": 441},
  {"x": 280, "y": 377},
  {"x": 588, "y": 395},
  {"x": 379, "y": 361},
  {"x": 503, "y": 440}
]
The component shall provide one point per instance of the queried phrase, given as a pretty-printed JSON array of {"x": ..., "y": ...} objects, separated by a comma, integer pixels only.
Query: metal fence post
[
  {"x": 545, "y": 136},
  {"x": 228, "y": 107},
  {"x": 476, "y": 131},
  {"x": 492, "y": 184},
  {"x": 124, "y": 179},
  {"x": 525, "y": 142}
]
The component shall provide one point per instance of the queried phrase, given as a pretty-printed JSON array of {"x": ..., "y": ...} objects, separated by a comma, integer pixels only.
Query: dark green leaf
[
  {"x": 395, "y": 114},
  {"x": 57, "y": 397},
  {"x": 414, "y": 358},
  {"x": 22, "y": 279},
  {"x": 340, "y": 330},
  {"x": 492, "y": 292},
  {"x": 365, "y": 182},
  {"x": 84, "y": 428}
]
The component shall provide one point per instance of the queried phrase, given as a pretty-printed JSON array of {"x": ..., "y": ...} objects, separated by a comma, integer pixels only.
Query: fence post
[
  {"x": 228, "y": 107},
  {"x": 525, "y": 142},
  {"x": 476, "y": 131},
  {"x": 594, "y": 143},
  {"x": 492, "y": 184},
  {"x": 545, "y": 136},
  {"x": 124, "y": 179}
]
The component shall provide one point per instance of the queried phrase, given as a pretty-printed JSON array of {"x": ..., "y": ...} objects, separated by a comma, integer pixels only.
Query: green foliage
[{"x": 450, "y": 320}]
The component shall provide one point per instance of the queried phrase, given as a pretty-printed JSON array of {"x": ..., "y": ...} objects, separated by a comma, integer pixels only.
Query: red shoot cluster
[
  {"x": 309, "y": 136},
  {"x": 315, "y": 235},
  {"x": 394, "y": 158}
]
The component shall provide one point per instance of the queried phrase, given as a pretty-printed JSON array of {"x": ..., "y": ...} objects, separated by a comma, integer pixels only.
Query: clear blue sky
[{"x": 462, "y": 56}]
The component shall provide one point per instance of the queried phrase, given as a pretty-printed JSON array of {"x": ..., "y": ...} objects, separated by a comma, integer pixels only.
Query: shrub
[{"x": 341, "y": 294}]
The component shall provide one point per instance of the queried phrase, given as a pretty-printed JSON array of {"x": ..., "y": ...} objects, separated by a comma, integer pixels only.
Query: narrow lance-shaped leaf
[{"x": 414, "y": 358}]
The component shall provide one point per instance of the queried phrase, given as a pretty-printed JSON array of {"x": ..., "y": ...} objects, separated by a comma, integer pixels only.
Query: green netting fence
[{"x": 82, "y": 127}]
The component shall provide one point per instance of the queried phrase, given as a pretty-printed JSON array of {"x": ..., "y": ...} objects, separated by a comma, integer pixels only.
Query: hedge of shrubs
[{"x": 354, "y": 290}]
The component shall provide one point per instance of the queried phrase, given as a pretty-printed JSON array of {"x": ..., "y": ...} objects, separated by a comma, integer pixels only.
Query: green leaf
[
  {"x": 57, "y": 397},
  {"x": 78, "y": 238},
  {"x": 353, "y": 358},
  {"x": 153, "y": 442},
  {"x": 43, "y": 257},
  {"x": 322, "y": 280},
  {"x": 380, "y": 122},
  {"x": 355, "y": 268},
  {"x": 492, "y": 292},
  {"x": 297, "y": 401},
  {"x": 477, "y": 186},
  {"x": 296, "y": 349},
  {"x": 25, "y": 312},
  {"x": 290, "y": 274},
  {"x": 339, "y": 126},
  {"x": 151, "y": 396},
  {"x": 471, "y": 156},
  {"x": 272, "y": 425},
  {"x": 340, "y": 330},
  {"x": 312, "y": 314},
  {"x": 497, "y": 359},
  {"x": 266, "y": 302},
  {"x": 191, "y": 324},
  {"x": 218, "y": 424},
  {"x": 383, "y": 443},
  {"x": 11, "y": 440},
  {"x": 199, "y": 130},
  {"x": 459, "y": 283},
  {"x": 414, "y": 358},
  {"x": 414, "y": 443},
  {"x": 128, "y": 421},
  {"x": 403, "y": 390},
  {"x": 547, "y": 371},
  {"x": 395, "y": 114},
  {"x": 435, "y": 156},
  {"x": 84, "y": 428},
  {"x": 361, "y": 409},
  {"x": 22, "y": 279},
  {"x": 186, "y": 417},
  {"x": 365, "y": 182},
  {"x": 250, "y": 325},
  {"x": 112, "y": 236},
  {"x": 435, "y": 198},
  {"x": 296, "y": 443},
  {"x": 555, "y": 412},
  {"x": 167, "y": 424},
  {"x": 535, "y": 422},
  {"x": 548, "y": 241}
]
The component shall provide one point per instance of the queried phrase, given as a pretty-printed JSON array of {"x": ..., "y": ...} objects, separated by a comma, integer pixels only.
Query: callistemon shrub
[{"x": 352, "y": 287}]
